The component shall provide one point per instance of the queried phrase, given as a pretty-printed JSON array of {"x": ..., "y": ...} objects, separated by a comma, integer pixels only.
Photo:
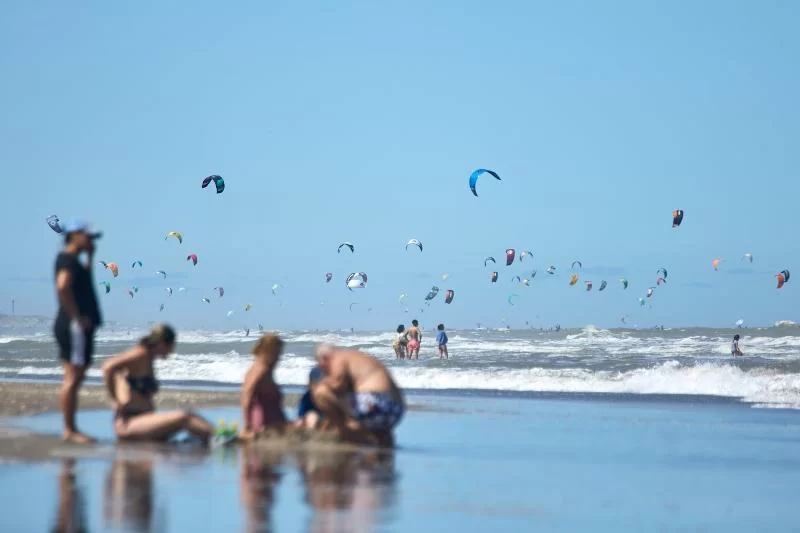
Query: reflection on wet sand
[
  {"x": 71, "y": 515},
  {"x": 347, "y": 490},
  {"x": 129, "y": 502},
  {"x": 259, "y": 477}
]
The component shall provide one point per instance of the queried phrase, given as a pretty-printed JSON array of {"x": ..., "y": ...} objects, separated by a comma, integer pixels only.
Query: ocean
[{"x": 681, "y": 361}]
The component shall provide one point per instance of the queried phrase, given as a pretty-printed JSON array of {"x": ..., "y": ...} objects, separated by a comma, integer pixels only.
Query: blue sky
[{"x": 362, "y": 121}]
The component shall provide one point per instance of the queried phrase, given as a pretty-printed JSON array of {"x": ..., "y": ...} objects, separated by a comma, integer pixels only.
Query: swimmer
[
  {"x": 441, "y": 342},
  {"x": 414, "y": 340},
  {"x": 735, "y": 351},
  {"x": 400, "y": 342}
]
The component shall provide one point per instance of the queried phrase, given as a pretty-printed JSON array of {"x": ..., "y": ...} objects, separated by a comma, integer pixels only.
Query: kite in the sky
[
  {"x": 135, "y": 263},
  {"x": 220, "y": 290},
  {"x": 192, "y": 258},
  {"x": 551, "y": 270},
  {"x": 206, "y": 300},
  {"x": 218, "y": 181},
  {"x": 650, "y": 292},
  {"x": 486, "y": 261},
  {"x": 161, "y": 273},
  {"x": 510, "y": 255},
  {"x": 432, "y": 293},
  {"x": 524, "y": 254},
  {"x": 328, "y": 277},
  {"x": 346, "y": 245},
  {"x": 275, "y": 287},
  {"x": 588, "y": 285},
  {"x": 54, "y": 223},
  {"x": 473, "y": 178},
  {"x": 494, "y": 277},
  {"x": 624, "y": 283},
  {"x": 414, "y": 242},
  {"x": 603, "y": 285},
  {"x": 161, "y": 308},
  {"x": 677, "y": 218},
  {"x": 782, "y": 277},
  {"x": 573, "y": 279},
  {"x": 747, "y": 257},
  {"x": 248, "y": 307},
  {"x": 661, "y": 271},
  {"x": 107, "y": 286},
  {"x": 512, "y": 298},
  {"x": 715, "y": 264},
  {"x": 356, "y": 280},
  {"x": 168, "y": 290},
  {"x": 449, "y": 295},
  {"x": 580, "y": 265},
  {"x": 176, "y": 235}
]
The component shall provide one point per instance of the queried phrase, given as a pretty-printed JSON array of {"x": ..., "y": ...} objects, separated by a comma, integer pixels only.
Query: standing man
[
  {"x": 77, "y": 320},
  {"x": 357, "y": 396}
]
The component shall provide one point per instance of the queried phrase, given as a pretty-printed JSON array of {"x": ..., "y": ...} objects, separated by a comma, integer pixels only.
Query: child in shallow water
[{"x": 262, "y": 400}]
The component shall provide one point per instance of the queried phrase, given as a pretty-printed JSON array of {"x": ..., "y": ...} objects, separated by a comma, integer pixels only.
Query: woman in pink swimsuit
[{"x": 262, "y": 400}]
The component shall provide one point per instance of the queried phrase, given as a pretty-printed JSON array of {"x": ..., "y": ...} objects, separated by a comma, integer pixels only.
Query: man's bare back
[{"x": 364, "y": 372}]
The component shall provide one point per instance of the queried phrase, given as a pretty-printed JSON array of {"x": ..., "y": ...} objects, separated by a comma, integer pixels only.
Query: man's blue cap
[
  {"x": 315, "y": 374},
  {"x": 78, "y": 225}
]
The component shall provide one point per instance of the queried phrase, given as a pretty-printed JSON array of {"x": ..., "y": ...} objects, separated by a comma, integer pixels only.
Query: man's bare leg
[{"x": 73, "y": 377}]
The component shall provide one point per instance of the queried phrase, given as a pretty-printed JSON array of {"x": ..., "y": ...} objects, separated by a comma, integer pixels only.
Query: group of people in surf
[
  {"x": 349, "y": 392},
  {"x": 407, "y": 342}
]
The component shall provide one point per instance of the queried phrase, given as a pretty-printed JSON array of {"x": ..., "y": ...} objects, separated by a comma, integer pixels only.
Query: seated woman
[
  {"x": 261, "y": 398},
  {"x": 131, "y": 383}
]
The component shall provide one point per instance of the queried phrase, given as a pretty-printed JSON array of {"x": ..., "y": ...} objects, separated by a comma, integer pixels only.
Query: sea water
[
  {"x": 588, "y": 360},
  {"x": 466, "y": 463}
]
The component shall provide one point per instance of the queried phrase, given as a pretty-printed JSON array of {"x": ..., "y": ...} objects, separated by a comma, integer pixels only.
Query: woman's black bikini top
[{"x": 144, "y": 385}]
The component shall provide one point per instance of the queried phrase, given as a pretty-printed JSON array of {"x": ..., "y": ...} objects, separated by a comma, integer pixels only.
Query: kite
[
  {"x": 641, "y": 302},
  {"x": 512, "y": 298},
  {"x": 624, "y": 283},
  {"x": 449, "y": 295},
  {"x": 137, "y": 262},
  {"x": 105, "y": 265},
  {"x": 677, "y": 218},
  {"x": 113, "y": 268},
  {"x": 348, "y": 245},
  {"x": 130, "y": 293},
  {"x": 356, "y": 280},
  {"x": 747, "y": 257},
  {"x": 206, "y": 300},
  {"x": 54, "y": 223},
  {"x": 526, "y": 282},
  {"x": 516, "y": 278},
  {"x": 432, "y": 293},
  {"x": 660, "y": 271},
  {"x": 510, "y": 255},
  {"x": 580, "y": 265},
  {"x": 551, "y": 270},
  {"x": 402, "y": 298},
  {"x": 533, "y": 274},
  {"x": 161, "y": 308},
  {"x": 220, "y": 290},
  {"x": 603, "y": 285},
  {"x": 168, "y": 290},
  {"x": 161, "y": 273},
  {"x": 192, "y": 258},
  {"x": 573, "y": 279},
  {"x": 445, "y": 276},
  {"x": 229, "y": 313},
  {"x": 351, "y": 306},
  {"x": 473, "y": 178},
  {"x": 588, "y": 285},
  {"x": 107, "y": 286},
  {"x": 486, "y": 261},
  {"x": 782, "y": 277},
  {"x": 715, "y": 264},
  {"x": 494, "y": 277},
  {"x": 176, "y": 235},
  {"x": 524, "y": 254},
  {"x": 660, "y": 281},
  {"x": 650, "y": 292},
  {"x": 275, "y": 287},
  {"x": 328, "y": 277},
  {"x": 181, "y": 289},
  {"x": 218, "y": 181},
  {"x": 414, "y": 242},
  {"x": 248, "y": 307}
]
